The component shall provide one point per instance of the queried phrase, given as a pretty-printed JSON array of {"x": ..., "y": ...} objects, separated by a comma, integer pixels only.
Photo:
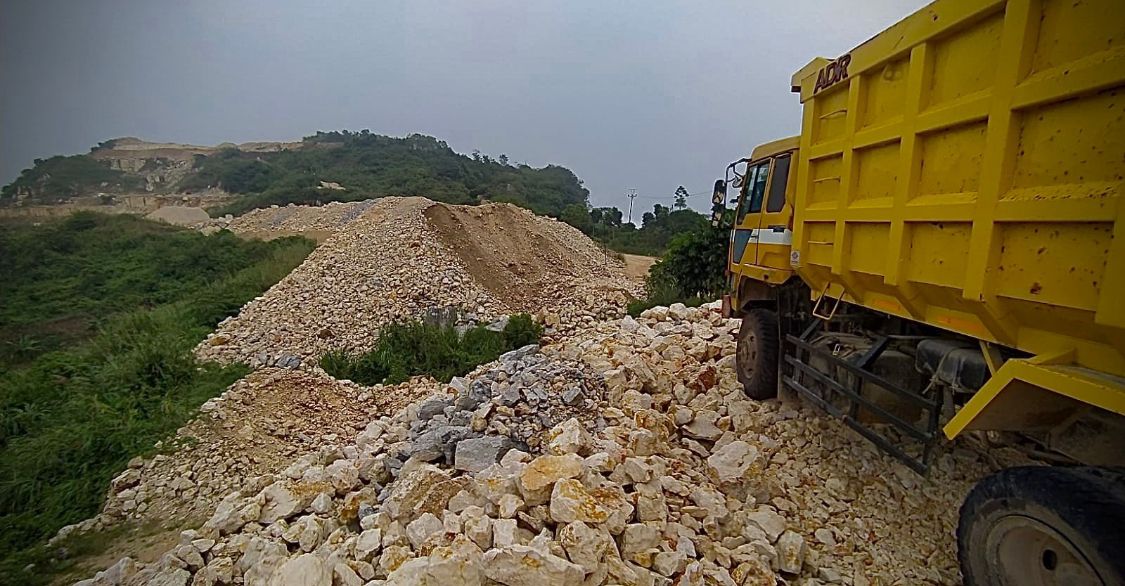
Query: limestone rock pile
[
  {"x": 642, "y": 465},
  {"x": 513, "y": 404},
  {"x": 391, "y": 263}
]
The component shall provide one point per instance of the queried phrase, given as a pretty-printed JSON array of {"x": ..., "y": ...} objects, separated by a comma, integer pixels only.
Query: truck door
[
  {"x": 744, "y": 238},
  {"x": 775, "y": 235}
]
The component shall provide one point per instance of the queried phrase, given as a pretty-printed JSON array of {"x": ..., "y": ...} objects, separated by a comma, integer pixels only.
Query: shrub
[
  {"x": 691, "y": 272},
  {"x": 521, "y": 330},
  {"x": 695, "y": 263},
  {"x": 414, "y": 348}
]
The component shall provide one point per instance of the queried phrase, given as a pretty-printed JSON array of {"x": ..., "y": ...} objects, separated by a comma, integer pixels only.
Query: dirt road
[{"x": 636, "y": 266}]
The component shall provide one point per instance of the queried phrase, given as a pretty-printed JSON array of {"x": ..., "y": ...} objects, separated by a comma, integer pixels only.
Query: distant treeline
[{"x": 652, "y": 238}]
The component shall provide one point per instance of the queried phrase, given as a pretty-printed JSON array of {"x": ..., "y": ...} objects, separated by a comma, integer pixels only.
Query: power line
[{"x": 631, "y": 195}]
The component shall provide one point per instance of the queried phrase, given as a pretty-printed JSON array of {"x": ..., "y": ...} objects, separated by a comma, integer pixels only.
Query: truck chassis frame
[{"x": 823, "y": 390}]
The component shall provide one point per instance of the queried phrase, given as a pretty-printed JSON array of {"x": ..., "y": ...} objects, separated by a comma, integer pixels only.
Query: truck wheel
[
  {"x": 1044, "y": 525},
  {"x": 756, "y": 355}
]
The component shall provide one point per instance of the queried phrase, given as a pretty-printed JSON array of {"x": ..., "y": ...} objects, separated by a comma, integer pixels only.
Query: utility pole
[{"x": 631, "y": 195}]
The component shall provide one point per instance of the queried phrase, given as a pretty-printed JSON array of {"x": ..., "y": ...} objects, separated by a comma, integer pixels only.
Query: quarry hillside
[{"x": 132, "y": 175}]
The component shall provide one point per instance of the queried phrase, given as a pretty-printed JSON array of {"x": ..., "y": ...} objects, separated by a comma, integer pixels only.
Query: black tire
[
  {"x": 756, "y": 354},
  {"x": 1044, "y": 525}
]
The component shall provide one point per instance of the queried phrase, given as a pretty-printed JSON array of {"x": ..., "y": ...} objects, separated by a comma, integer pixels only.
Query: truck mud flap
[{"x": 846, "y": 401}]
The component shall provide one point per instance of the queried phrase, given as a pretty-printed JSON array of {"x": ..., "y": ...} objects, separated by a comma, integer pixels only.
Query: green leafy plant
[
  {"x": 695, "y": 263},
  {"x": 521, "y": 330},
  {"x": 692, "y": 271},
  {"x": 415, "y": 348}
]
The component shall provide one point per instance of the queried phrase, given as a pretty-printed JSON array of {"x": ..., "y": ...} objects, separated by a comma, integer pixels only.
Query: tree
[
  {"x": 608, "y": 217},
  {"x": 576, "y": 215},
  {"x": 681, "y": 198},
  {"x": 612, "y": 218}
]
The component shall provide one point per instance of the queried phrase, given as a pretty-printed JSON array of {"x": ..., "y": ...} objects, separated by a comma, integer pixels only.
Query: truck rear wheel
[
  {"x": 756, "y": 355},
  {"x": 1043, "y": 525}
]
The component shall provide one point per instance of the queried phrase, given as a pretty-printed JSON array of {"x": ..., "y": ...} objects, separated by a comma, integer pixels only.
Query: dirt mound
[
  {"x": 395, "y": 259},
  {"x": 517, "y": 255},
  {"x": 179, "y": 215}
]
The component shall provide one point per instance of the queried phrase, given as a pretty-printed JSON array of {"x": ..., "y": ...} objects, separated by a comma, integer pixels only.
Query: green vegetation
[
  {"x": 370, "y": 165},
  {"x": 411, "y": 349},
  {"x": 74, "y": 409},
  {"x": 58, "y": 279},
  {"x": 695, "y": 263},
  {"x": 233, "y": 170},
  {"x": 62, "y": 177},
  {"x": 692, "y": 271}
]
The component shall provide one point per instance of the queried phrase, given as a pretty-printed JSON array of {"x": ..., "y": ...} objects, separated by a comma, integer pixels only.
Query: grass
[
  {"x": 43, "y": 564},
  {"x": 74, "y": 411},
  {"x": 411, "y": 349},
  {"x": 59, "y": 280}
]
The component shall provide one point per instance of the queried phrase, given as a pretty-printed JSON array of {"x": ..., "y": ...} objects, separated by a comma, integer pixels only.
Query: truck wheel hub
[{"x": 1027, "y": 551}]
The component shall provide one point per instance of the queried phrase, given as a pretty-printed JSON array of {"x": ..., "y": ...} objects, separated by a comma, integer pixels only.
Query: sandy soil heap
[
  {"x": 410, "y": 258},
  {"x": 524, "y": 259},
  {"x": 179, "y": 215}
]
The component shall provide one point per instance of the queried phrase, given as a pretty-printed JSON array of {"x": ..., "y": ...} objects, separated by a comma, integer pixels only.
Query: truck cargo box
[{"x": 965, "y": 168}]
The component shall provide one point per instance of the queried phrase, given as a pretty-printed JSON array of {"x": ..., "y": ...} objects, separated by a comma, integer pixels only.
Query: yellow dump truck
[{"x": 942, "y": 249}]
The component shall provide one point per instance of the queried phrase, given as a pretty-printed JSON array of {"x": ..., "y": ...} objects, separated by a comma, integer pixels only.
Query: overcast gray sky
[{"x": 646, "y": 95}]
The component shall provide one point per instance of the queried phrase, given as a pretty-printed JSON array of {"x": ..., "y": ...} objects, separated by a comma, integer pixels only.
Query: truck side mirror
[{"x": 718, "y": 203}]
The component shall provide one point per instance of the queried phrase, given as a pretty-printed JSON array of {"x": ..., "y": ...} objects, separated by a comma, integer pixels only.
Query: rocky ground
[
  {"x": 624, "y": 453},
  {"x": 256, "y": 427},
  {"x": 410, "y": 258}
]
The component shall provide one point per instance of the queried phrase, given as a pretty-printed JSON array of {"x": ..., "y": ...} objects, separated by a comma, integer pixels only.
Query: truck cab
[{"x": 762, "y": 229}]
